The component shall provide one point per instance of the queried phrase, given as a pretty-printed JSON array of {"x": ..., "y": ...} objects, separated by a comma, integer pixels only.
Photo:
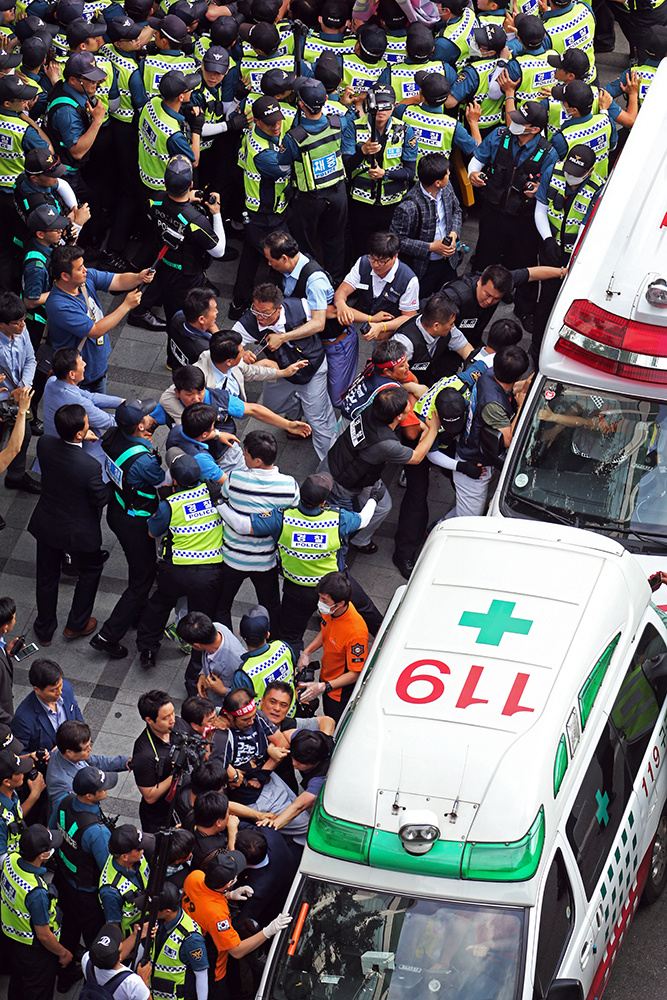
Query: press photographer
[{"x": 17, "y": 365}]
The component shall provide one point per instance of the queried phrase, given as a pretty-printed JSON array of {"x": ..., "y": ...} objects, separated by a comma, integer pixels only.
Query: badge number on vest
[
  {"x": 192, "y": 511},
  {"x": 114, "y": 473},
  {"x": 357, "y": 431},
  {"x": 427, "y": 136},
  {"x": 149, "y": 133},
  {"x": 324, "y": 166},
  {"x": 5, "y": 142},
  {"x": 309, "y": 540}
]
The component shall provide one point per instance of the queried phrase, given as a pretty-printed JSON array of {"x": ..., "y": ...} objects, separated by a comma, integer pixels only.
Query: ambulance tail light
[{"x": 614, "y": 344}]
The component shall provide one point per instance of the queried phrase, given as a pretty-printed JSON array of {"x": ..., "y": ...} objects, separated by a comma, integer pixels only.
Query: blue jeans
[
  {"x": 342, "y": 358},
  {"x": 96, "y": 385}
]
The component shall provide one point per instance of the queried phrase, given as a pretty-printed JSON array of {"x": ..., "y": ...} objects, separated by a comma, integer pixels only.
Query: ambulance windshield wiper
[
  {"x": 651, "y": 537},
  {"x": 545, "y": 512}
]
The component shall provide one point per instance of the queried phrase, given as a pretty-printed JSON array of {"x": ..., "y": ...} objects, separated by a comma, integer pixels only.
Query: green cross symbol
[
  {"x": 602, "y": 815},
  {"x": 493, "y": 625}
]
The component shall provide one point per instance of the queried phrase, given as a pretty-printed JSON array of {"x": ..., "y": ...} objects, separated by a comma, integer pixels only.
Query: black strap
[{"x": 112, "y": 984}]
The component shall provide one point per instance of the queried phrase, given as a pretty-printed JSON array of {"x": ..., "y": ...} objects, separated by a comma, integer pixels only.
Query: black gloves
[
  {"x": 241, "y": 90},
  {"x": 377, "y": 493},
  {"x": 237, "y": 123},
  {"x": 551, "y": 253},
  {"x": 470, "y": 469}
]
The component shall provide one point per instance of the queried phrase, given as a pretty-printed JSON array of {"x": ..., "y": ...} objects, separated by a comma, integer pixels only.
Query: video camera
[
  {"x": 186, "y": 752},
  {"x": 8, "y": 411}
]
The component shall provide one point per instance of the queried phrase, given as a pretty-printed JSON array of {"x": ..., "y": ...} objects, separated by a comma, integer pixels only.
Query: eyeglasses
[
  {"x": 18, "y": 323},
  {"x": 261, "y": 315},
  {"x": 379, "y": 261}
]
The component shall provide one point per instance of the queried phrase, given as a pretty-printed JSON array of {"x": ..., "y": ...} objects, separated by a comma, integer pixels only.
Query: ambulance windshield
[
  {"x": 361, "y": 944},
  {"x": 595, "y": 461}
]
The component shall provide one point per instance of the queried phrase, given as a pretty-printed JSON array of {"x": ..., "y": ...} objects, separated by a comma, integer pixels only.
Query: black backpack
[{"x": 92, "y": 990}]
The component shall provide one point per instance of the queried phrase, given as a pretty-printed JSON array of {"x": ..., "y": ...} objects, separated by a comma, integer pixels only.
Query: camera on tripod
[{"x": 186, "y": 752}]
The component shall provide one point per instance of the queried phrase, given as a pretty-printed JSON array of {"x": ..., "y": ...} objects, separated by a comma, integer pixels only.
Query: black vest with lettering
[
  {"x": 174, "y": 218},
  {"x": 487, "y": 389},
  {"x": 505, "y": 187},
  {"x": 73, "y": 862},
  {"x": 309, "y": 349},
  {"x": 428, "y": 368},
  {"x": 185, "y": 348},
  {"x": 389, "y": 298},
  {"x": 347, "y": 463}
]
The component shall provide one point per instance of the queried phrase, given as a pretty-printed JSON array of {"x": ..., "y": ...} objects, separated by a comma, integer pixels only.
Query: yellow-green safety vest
[
  {"x": 459, "y": 33},
  {"x": 15, "y": 884},
  {"x": 566, "y": 228},
  {"x": 492, "y": 110},
  {"x": 168, "y": 978},
  {"x": 646, "y": 75},
  {"x": 276, "y": 664},
  {"x": 536, "y": 73},
  {"x": 156, "y": 126},
  {"x": 574, "y": 29},
  {"x": 309, "y": 545},
  {"x": 360, "y": 75},
  {"x": 558, "y": 116},
  {"x": 154, "y": 68},
  {"x": 194, "y": 536},
  {"x": 316, "y": 44},
  {"x": 362, "y": 188},
  {"x": 403, "y": 77},
  {"x": 13, "y": 820},
  {"x": 125, "y": 66},
  {"x": 253, "y": 143},
  {"x": 595, "y": 133},
  {"x": 321, "y": 163},
  {"x": 126, "y": 889},
  {"x": 434, "y": 132},
  {"x": 12, "y": 155}
]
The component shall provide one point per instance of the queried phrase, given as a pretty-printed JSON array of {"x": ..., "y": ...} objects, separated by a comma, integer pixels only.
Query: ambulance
[
  {"x": 590, "y": 447},
  {"x": 495, "y": 805}
]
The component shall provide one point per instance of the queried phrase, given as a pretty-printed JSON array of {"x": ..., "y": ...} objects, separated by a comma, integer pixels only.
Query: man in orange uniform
[
  {"x": 205, "y": 897},
  {"x": 343, "y": 639}
]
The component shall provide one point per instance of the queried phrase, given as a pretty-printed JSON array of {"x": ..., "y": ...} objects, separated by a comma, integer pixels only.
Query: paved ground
[{"x": 107, "y": 690}]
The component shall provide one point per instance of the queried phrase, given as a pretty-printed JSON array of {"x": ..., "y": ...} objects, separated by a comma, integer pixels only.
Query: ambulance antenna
[
  {"x": 453, "y": 816},
  {"x": 395, "y": 806}
]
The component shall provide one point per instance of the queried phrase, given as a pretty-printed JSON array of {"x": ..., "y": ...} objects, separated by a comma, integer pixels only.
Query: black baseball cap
[
  {"x": 68, "y": 10},
  {"x": 530, "y": 29},
  {"x": 434, "y": 87},
  {"x": 655, "y": 42},
  {"x": 189, "y": 13},
  {"x": 216, "y": 59},
  {"x": 138, "y": 10},
  {"x": 491, "y": 36},
  {"x": 579, "y": 160},
  {"x": 34, "y": 51},
  {"x": 37, "y": 839},
  {"x": 335, "y": 14},
  {"x": 10, "y": 60},
  {"x": 178, "y": 178},
  {"x": 174, "y": 83},
  {"x": 263, "y": 37},
  {"x": 452, "y": 411},
  {"x": 123, "y": 28},
  {"x": 7, "y": 5},
  {"x": 79, "y": 30},
  {"x": 264, "y": 11},
  {"x": 313, "y": 94},
  {"x": 328, "y": 70},
  {"x": 33, "y": 25},
  {"x": 11, "y": 763},
  {"x": 8, "y": 741},
  {"x": 105, "y": 949},
  {"x": 372, "y": 41},
  {"x": 385, "y": 96},
  {"x": 255, "y": 623},
  {"x": 267, "y": 110},
  {"x": 92, "y": 779},
  {"x": 224, "y": 31},
  {"x": 223, "y": 869},
  {"x": 530, "y": 113},
  {"x": 185, "y": 470},
  {"x": 14, "y": 88},
  {"x": 391, "y": 14},
  {"x": 83, "y": 64},
  {"x": 576, "y": 94},
  {"x": 170, "y": 897},
  {"x": 571, "y": 61},
  {"x": 46, "y": 217},
  {"x": 126, "y": 838},
  {"x": 276, "y": 81},
  {"x": 43, "y": 161},
  {"x": 171, "y": 26},
  {"x": 315, "y": 489},
  {"x": 419, "y": 41},
  {"x": 132, "y": 411}
]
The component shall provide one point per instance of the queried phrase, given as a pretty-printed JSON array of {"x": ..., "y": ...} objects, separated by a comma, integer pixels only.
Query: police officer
[
  {"x": 365, "y": 66},
  {"x": 163, "y": 132},
  {"x": 34, "y": 51},
  {"x": 508, "y": 165},
  {"x": 595, "y": 130},
  {"x": 82, "y": 854},
  {"x": 565, "y": 199},
  {"x": 267, "y": 189},
  {"x": 433, "y": 127},
  {"x": 171, "y": 32},
  {"x": 219, "y": 118},
  {"x": 382, "y": 168},
  {"x": 12, "y": 773},
  {"x": 655, "y": 47},
  {"x": 315, "y": 149},
  {"x": 30, "y": 919},
  {"x": 184, "y": 224},
  {"x": 133, "y": 466},
  {"x": 420, "y": 57},
  {"x": 332, "y": 35},
  {"x": 570, "y": 24},
  {"x": 266, "y": 660},
  {"x": 529, "y": 71},
  {"x": 191, "y": 554},
  {"x": 124, "y": 877},
  {"x": 43, "y": 183},
  {"x": 302, "y": 566},
  {"x": 452, "y": 43},
  {"x": 261, "y": 53},
  {"x": 178, "y": 951},
  {"x": 476, "y": 81},
  {"x": 45, "y": 228}
]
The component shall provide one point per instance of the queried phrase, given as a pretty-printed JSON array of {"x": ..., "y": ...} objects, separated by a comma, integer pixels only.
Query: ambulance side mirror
[
  {"x": 565, "y": 989},
  {"x": 492, "y": 446}
]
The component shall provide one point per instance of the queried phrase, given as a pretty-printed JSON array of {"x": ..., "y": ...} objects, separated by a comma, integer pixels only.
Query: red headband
[
  {"x": 391, "y": 364},
  {"x": 246, "y": 710}
]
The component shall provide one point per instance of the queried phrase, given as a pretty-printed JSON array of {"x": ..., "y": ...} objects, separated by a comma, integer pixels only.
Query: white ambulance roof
[
  {"x": 624, "y": 249},
  {"x": 508, "y": 620}
]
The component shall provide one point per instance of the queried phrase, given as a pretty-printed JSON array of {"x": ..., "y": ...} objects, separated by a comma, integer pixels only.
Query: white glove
[
  {"x": 243, "y": 892},
  {"x": 276, "y": 925}
]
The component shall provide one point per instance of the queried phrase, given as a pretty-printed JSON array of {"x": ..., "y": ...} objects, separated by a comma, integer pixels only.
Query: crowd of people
[{"x": 341, "y": 143}]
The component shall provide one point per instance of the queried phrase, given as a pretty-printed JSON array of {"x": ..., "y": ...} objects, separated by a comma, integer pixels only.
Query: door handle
[
  {"x": 585, "y": 954},
  {"x": 599, "y": 917}
]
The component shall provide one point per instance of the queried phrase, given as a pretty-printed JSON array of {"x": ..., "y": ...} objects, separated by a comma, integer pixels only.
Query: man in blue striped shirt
[{"x": 258, "y": 487}]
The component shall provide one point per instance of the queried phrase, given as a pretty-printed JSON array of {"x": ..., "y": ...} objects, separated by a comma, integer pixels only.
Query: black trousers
[
  {"x": 201, "y": 586},
  {"x": 318, "y": 225},
  {"x": 510, "y": 240},
  {"x": 252, "y": 256},
  {"x": 364, "y": 220},
  {"x": 438, "y": 273},
  {"x": 334, "y": 709},
  {"x": 219, "y": 171},
  {"x": 299, "y": 603},
  {"x": 635, "y": 25},
  {"x": 98, "y": 174},
  {"x": 139, "y": 549},
  {"x": 413, "y": 515},
  {"x": 82, "y": 915},
  {"x": 33, "y": 971},
  {"x": 10, "y": 264},
  {"x": 89, "y": 567},
  {"x": 129, "y": 210},
  {"x": 266, "y": 586}
]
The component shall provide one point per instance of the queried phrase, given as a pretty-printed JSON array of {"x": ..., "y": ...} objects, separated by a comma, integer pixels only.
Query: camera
[
  {"x": 186, "y": 752},
  {"x": 8, "y": 411},
  {"x": 206, "y": 197}
]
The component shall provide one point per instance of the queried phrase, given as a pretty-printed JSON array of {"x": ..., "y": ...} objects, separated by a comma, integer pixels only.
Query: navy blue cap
[{"x": 313, "y": 94}]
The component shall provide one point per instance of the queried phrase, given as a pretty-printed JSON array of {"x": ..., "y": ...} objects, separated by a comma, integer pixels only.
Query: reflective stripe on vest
[
  {"x": 155, "y": 67},
  {"x": 276, "y": 664},
  {"x": 362, "y": 188},
  {"x": 574, "y": 29},
  {"x": 309, "y": 545},
  {"x": 646, "y": 75},
  {"x": 13, "y": 820},
  {"x": 403, "y": 77},
  {"x": 396, "y": 51},
  {"x": 255, "y": 68},
  {"x": 195, "y": 528},
  {"x": 15, "y": 884},
  {"x": 155, "y": 129},
  {"x": 213, "y": 112},
  {"x": 566, "y": 228},
  {"x": 126, "y": 889},
  {"x": 558, "y": 116},
  {"x": 434, "y": 133},
  {"x": 536, "y": 73},
  {"x": 460, "y": 34},
  {"x": 168, "y": 979},
  {"x": 492, "y": 111},
  {"x": 425, "y": 405},
  {"x": 253, "y": 143},
  {"x": 104, "y": 86},
  {"x": 12, "y": 155},
  {"x": 321, "y": 163},
  {"x": 317, "y": 44},
  {"x": 360, "y": 75},
  {"x": 114, "y": 468},
  {"x": 125, "y": 67},
  {"x": 595, "y": 133}
]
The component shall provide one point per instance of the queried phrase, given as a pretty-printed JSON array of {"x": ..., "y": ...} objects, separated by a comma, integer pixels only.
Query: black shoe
[
  {"x": 104, "y": 554},
  {"x": 37, "y": 427},
  {"x": 112, "y": 649},
  {"x": 145, "y": 319},
  {"x": 147, "y": 658},
  {"x": 404, "y": 566},
  {"x": 65, "y": 982},
  {"x": 25, "y": 483},
  {"x": 66, "y": 567},
  {"x": 40, "y": 640},
  {"x": 366, "y": 550},
  {"x": 527, "y": 321},
  {"x": 231, "y": 253},
  {"x": 236, "y": 310}
]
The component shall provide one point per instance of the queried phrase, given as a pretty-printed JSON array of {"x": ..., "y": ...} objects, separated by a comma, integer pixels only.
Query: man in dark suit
[
  {"x": 7, "y": 623},
  {"x": 270, "y": 870},
  {"x": 50, "y": 703},
  {"x": 67, "y": 519}
]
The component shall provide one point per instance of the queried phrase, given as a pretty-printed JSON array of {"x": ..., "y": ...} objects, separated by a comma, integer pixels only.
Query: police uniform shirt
[
  {"x": 35, "y": 279},
  {"x": 66, "y": 120},
  {"x": 197, "y": 231},
  {"x": 560, "y": 143},
  {"x": 37, "y": 900},
  {"x": 132, "y": 988},
  {"x": 290, "y": 151},
  {"x": 486, "y": 152},
  {"x": 409, "y": 301},
  {"x": 271, "y": 523},
  {"x": 110, "y": 897},
  {"x": 95, "y": 839},
  {"x": 242, "y": 680},
  {"x": 146, "y": 469}
]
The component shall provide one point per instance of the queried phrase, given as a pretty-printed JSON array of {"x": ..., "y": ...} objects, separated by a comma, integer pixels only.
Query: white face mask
[
  {"x": 50, "y": 854},
  {"x": 325, "y": 609},
  {"x": 573, "y": 181},
  {"x": 474, "y": 49},
  {"x": 516, "y": 128}
]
